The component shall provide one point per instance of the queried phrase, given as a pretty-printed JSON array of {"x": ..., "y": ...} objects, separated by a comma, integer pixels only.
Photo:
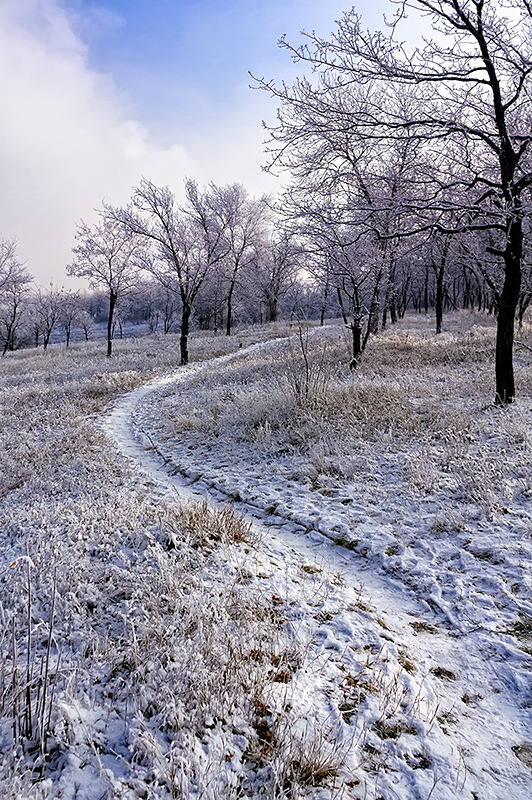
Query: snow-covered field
[{"x": 364, "y": 630}]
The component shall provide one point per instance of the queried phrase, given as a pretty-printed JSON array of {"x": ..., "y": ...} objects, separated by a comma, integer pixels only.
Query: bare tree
[
  {"x": 350, "y": 202},
  {"x": 357, "y": 261},
  {"x": 107, "y": 255},
  {"x": 473, "y": 86},
  {"x": 46, "y": 311},
  {"x": 274, "y": 269},
  {"x": 211, "y": 303},
  {"x": 187, "y": 242},
  {"x": 246, "y": 220},
  {"x": 86, "y": 323},
  {"x": 69, "y": 311},
  {"x": 162, "y": 307},
  {"x": 14, "y": 288}
]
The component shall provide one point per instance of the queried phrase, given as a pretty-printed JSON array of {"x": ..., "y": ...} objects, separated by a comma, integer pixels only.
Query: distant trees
[
  {"x": 157, "y": 262},
  {"x": 46, "y": 308},
  {"x": 273, "y": 272},
  {"x": 466, "y": 106},
  {"x": 70, "y": 311},
  {"x": 163, "y": 264},
  {"x": 14, "y": 288},
  {"x": 162, "y": 307}
]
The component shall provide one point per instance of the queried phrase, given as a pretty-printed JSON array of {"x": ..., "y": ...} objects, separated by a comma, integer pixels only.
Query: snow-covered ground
[
  {"x": 379, "y": 609},
  {"x": 444, "y": 584}
]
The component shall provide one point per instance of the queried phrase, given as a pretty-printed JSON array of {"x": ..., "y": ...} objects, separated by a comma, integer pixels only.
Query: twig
[
  {"x": 28, "y": 660},
  {"x": 47, "y": 664},
  {"x": 14, "y": 680},
  {"x": 52, "y": 693}
]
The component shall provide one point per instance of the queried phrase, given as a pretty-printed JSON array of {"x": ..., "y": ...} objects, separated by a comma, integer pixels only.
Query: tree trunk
[
  {"x": 168, "y": 321},
  {"x": 112, "y": 304},
  {"x": 10, "y": 331},
  {"x": 373, "y": 318},
  {"x": 524, "y": 302},
  {"x": 341, "y": 304},
  {"x": 183, "y": 342},
  {"x": 390, "y": 303},
  {"x": 229, "y": 320},
  {"x": 324, "y": 303},
  {"x": 273, "y": 308},
  {"x": 426, "y": 291},
  {"x": 9, "y": 342},
  {"x": 404, "y": 299},
  {"x": 439, "y": 295},
  {"x": 356, "y": 330},
  {"x": 504, "y": 370}
]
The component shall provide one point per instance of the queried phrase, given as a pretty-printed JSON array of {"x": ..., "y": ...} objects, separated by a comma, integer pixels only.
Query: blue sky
[
  {"x": 98, "y": 93},
  {"x": 183, "y": 61}
]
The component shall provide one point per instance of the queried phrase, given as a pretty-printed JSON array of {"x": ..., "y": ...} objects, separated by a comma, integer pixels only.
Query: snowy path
[{"x": 474, "y": 686}]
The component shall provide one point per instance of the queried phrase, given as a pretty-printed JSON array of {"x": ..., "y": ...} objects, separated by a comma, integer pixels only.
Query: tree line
[
  {"x": 164, "y": 263},
  {"x": 268, "y": 270},
  {"x": 410, "y": 188}
]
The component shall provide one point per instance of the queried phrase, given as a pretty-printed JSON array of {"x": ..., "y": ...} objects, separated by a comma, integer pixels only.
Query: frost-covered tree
[
  {"x": 345, "y": 193},
  {"x": 161, "y": 307},
  {"x": 246, "y": 226},
  {"x": 70, "y": 308},
  {"x": 46, "y": 309},
  {"x": 472, "y": 83},
  {"x": 86, "y": 323},
  {"x": 273, "y": 272},
  {"x": 186, "y": 242},
  {"x": 14, "y": 289},
  {"x": 247, "y": 222},
  {"x": 107, "y": 255}
]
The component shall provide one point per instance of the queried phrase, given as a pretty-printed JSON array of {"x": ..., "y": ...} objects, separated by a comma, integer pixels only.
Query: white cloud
[
  {"x": 69, "y": 137},
  {"x": 66, "y": 139}
]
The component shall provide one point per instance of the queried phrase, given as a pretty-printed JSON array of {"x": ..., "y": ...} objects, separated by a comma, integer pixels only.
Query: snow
[
  {"x": 378, "y": 612},
  {"x": 438, "y": 594}
]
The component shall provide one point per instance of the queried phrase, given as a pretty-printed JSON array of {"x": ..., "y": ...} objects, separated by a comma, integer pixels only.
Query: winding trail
[{"x": 476, "y": 719}]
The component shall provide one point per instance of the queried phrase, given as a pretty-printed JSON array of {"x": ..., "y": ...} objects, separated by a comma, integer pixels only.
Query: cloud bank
[{"x": 67, "y": 137}]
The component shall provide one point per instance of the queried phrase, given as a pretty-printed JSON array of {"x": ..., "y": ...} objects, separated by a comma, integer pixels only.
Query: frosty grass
[{"x": 349, "y": 614}]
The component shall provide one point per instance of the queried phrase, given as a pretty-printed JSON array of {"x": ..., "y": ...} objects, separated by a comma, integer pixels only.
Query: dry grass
[
  {"x": 136, "y": 608},
  {"x": 202, "y": 525},
  {"x": 162, "y": 650},
  {"x": 430, "y": 395}
]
